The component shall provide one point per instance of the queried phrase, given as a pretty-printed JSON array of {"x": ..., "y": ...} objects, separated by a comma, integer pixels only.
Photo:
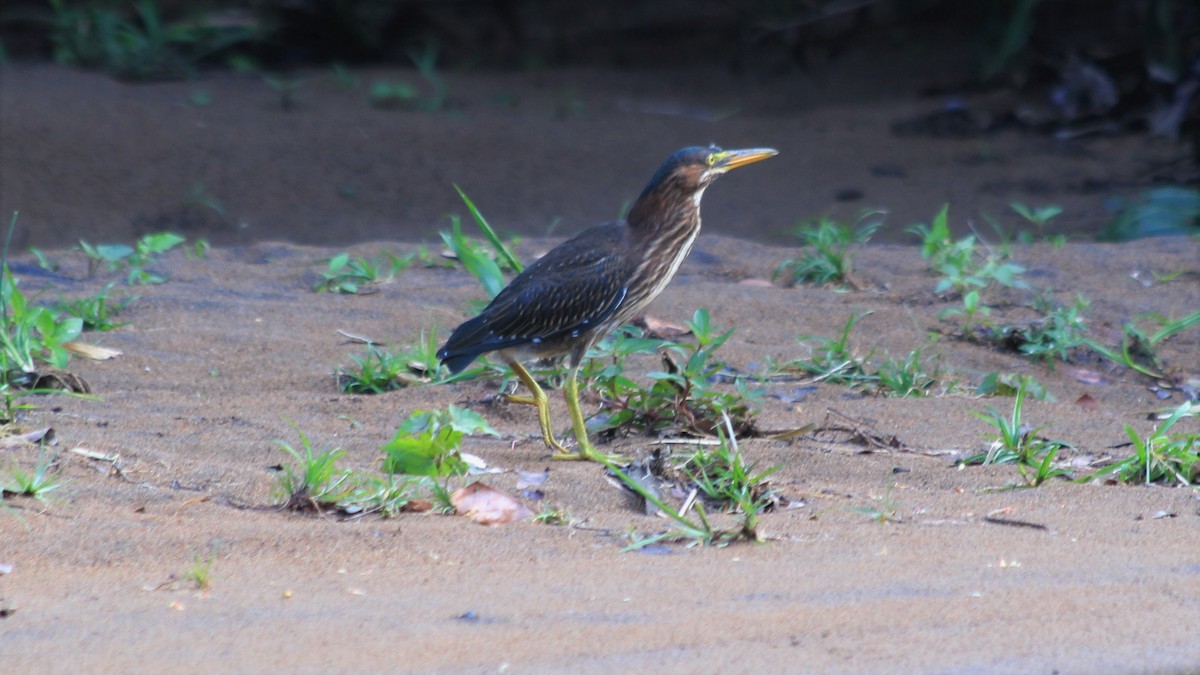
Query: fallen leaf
[
  {"x": 528, "y": 479},
  {"x": 477, "y": 465},
  {"x": 90, "y": 351},
  {"x": 93, "y": 454},
  {"x": 1086, "y": 402},
  {"x": 657, "y": 328},
  {"x": 418, "y": 506},
  {"x": 27, "y": 438},
  {"x": 1087, "y": 376},
  {"x": 488, "y": 506},
  {"x": 355, "y": 337}
]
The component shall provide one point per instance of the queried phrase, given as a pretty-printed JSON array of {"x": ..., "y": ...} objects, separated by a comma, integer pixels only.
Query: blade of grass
[{"x": 489, "y": 233}]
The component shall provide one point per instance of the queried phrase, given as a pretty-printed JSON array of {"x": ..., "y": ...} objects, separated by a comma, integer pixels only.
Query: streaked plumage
[{"x": 581, "y": 290}]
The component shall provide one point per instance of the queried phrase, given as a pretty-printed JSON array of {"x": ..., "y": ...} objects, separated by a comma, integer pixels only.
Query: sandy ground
[{"x": 234, "y": 349}]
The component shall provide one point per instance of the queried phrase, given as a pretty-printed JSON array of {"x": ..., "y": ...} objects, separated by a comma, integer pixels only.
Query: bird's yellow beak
[{"x": 724, "y": 160}]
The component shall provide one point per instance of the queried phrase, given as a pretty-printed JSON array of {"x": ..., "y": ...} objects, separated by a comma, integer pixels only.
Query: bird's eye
[{"x": 712, "y": 158}]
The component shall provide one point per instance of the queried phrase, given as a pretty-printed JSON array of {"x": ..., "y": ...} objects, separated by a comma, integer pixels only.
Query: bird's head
[{"x": 686, "y": 173}]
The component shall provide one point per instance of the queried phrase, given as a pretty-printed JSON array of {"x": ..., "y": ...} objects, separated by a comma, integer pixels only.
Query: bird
[{"x": 586, "y": 287}]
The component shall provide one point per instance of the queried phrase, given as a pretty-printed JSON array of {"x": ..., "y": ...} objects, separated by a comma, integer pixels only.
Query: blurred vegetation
[
  {"x": 165, "y": 38},
  {"x": 1068, "y": 68}
]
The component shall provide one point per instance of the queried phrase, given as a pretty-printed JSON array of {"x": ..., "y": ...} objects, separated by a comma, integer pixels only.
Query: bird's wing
[
  {"x": 574, "y": 287},
  {"x": 567, "y": 291}
]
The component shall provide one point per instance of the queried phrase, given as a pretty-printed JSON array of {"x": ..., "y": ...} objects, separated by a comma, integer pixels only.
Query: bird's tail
[{"x": 462, "y": 347}]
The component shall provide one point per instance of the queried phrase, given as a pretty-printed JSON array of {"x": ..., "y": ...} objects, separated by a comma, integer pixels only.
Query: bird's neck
[{"x": 665, "y": 211}]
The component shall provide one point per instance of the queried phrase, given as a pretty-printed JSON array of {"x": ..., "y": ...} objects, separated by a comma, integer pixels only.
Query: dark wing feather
[{"x": 568, "y": 291}]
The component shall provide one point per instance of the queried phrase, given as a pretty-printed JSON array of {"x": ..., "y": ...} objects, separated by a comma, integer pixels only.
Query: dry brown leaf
[
  {"x": 355, "y": 337},
  {"x": 1086, "y": 402},
  {"x": 94, "y": 454},
  {"x": 91, "y": 351},
  {"x": 1087, "y": 376},
  {"x": 488, "y": 506},
  {"x": 657, "y": 328},
  {"x": 27, "y": 438}
]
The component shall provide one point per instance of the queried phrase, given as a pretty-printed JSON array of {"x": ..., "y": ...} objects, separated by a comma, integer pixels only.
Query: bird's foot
[{"x": 590, "y": 454}]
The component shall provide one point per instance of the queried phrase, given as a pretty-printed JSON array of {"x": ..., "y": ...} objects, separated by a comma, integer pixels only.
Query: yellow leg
[
  {"x": 538, "y": 398},
  {"x": 586, "y": 449}
]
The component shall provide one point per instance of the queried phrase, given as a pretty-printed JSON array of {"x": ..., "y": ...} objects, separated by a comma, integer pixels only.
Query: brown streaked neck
[{"x": 666, "y": 204}]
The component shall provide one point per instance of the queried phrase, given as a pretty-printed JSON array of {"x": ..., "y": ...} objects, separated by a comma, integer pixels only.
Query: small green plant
[
  {"x": 552, "y": 515},
  {"x": 285, "y": 89},
  {"x": 345, "y": 78},
  {"x": 315, "y": 482},
  {"x": 427, "y": 443},
  {"x": 1016, "y": 442},
  {"x": 379, "y": 370},
  {"x": 400, "y": 95},
  {"x": 393, "y": 95},
  {"x": 1161, "y": 456},
  {"x": 135, "y": 259},
  {"x": 963, "y": 264},
  {"x": 386, "y": 495},
  {"x": 683, "y": 396},
  {"x": 1167, "y": 210},
  {"x": 200, "y": 573},
  {"x": 142, "y": 47},
  {"x": 907, "y": 378},
  {"x": 485, "y": 262},
  {"x": 198, "y": 197},
  {"x": 996, "y": 383},
  {"x": 375, "y": 372},
  {"x": 884, "y": 510},
  {"x": 1038, "y": 216},
  {"x": 44, "y": 261},
  {"x": 95, "y": 311},
  {"x": 37, "y": 484},
  {"x": 1138, "y": 350},
  {"x": 721, "y": 474},
  {"x": 829, "y": 260},
  {"x": 1054, "y": 336},
  {"x": 344, "y": 274},
  {"x": 972, "y": 315},
  {"x": 832, "y": 359},
  {"x": 29, "y": 334}
]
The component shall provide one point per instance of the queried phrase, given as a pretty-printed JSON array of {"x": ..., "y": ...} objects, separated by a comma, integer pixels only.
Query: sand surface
[{"x": 223, "y": 359}]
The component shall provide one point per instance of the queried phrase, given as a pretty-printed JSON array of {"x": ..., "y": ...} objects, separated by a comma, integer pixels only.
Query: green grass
[
  {"x": 38, "y": 484},
  {"x": 431, "y": 97},
  {"x": 200, "y": 573},
  {"x": 721, "y": 474},
  {"x": 1160, "y": 456},
  {"x": 350, "y": 276},
  {"x": 827, "y": 259},
  {"x": 29, "y": 335},
  {"x": 96, "y": 312},
  {"x": 907, "y": 378},
  {"x": 1139, "y": 348},
  {"x": 964, "y": 264},
  {"x": 380, "y": 370},
  {"x": 1016, "y": 442},
  {"x": 428, "y": 442},
  {"x": 689, "y": 394},
  {"x": 141, "y": 46},
  {"x": 832, "y": 359},
  {"x": 134, "y": 260},
  {"x": 314, "y": 482}
]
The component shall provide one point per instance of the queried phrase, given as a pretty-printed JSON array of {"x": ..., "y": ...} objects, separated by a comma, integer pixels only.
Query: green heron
[{"x": 584, "y": 288}]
